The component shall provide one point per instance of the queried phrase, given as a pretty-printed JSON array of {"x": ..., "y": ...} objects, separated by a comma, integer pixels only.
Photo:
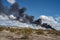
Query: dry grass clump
[
  {"x": 25, "y": 31},
  {"x": 12, "y": 30},
  {"x": 39, "y": 32}
]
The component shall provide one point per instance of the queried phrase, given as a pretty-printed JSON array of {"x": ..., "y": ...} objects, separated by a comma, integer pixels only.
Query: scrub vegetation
[{"x": 30, "y": 31}]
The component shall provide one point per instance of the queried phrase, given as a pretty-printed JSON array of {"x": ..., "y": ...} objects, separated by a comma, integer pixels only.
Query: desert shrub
[
  {"x": 24, "y": 31},
  {"x": 12, "y": 30},
  {"x": 39, "y": 32},
  {"x": 1, "y": 28},
  {"x": 55, "y": 32},
  {"x": 27, "y": 31},
  {"x": 51, "y": 31}
]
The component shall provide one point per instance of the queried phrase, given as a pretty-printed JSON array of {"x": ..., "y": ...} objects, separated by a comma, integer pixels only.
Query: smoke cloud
[{"x": 51, "y": 21}]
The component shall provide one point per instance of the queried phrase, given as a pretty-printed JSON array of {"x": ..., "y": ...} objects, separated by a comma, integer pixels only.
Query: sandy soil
[{"x": 6, "y": 35}]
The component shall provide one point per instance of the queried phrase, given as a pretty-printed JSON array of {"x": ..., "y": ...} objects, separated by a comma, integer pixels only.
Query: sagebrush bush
[{"x": 1, "y": 28}]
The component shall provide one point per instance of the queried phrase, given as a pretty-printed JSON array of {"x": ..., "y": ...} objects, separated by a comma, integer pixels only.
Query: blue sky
[
  {"x": 49, "y": 9},
  {"x": 39, "y": 7}
]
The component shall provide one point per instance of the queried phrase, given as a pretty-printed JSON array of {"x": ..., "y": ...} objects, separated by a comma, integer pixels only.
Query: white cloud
[
  {"x": 50, "y": 20},
  {"x": 11, "y": 1},
  {"x": 58, "y": 19},
  {"x": 12, "y": 17}
]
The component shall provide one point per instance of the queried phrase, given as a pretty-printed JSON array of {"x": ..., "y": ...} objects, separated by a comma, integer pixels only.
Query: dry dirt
[{"x": 6, "y": 35}]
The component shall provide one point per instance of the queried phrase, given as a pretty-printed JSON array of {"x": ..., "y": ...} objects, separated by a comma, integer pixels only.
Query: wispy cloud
[{"x": 58, "y": 19}]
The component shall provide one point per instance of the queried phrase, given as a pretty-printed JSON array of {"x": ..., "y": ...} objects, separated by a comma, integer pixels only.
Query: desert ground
[{"x": 28, "y": 34}]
